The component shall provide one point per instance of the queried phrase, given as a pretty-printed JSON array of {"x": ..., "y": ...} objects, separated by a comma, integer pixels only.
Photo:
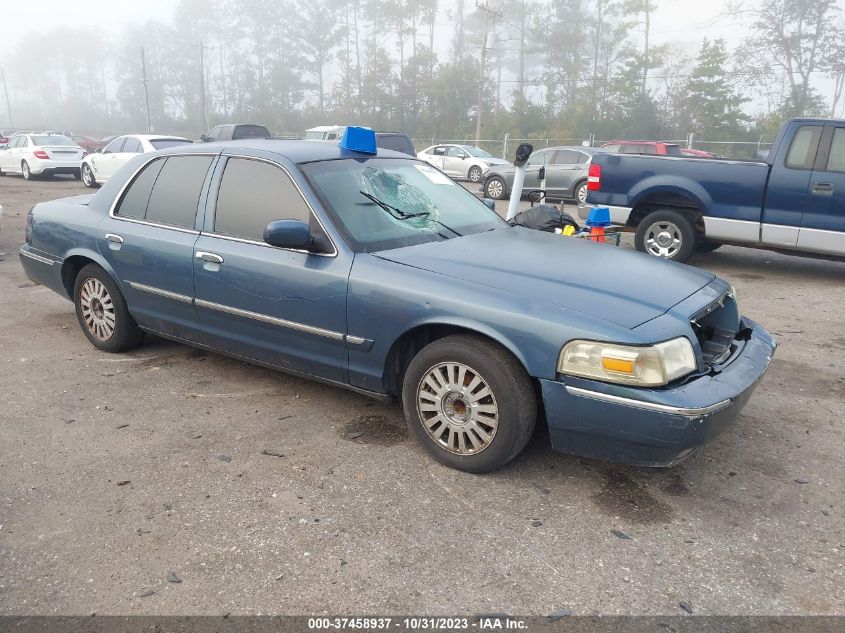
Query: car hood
[{"x": 613, "y": 284}]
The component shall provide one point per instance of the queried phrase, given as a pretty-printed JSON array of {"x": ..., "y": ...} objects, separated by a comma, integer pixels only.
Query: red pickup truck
[{"x": 653, "y": 148}]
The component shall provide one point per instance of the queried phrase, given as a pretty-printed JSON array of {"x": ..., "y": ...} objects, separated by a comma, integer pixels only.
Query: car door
[
  {"x": 437, "y": 156},
  {"x": 283, "y": 307},
  {"x": 6, "y": 161},
  {"x": 535, "y": 163},
  {"x": 16, "y": 154},
  {"x": 130, "y": 149},
  {"x": 455, "y": 163},
  {"x": 788, "y": 191},
  {"x": 148, "y": 240},
  {"x": 103, "y": 163},
  {"x": 823, "y": 221},
  {"x": 561, "y": 172}
]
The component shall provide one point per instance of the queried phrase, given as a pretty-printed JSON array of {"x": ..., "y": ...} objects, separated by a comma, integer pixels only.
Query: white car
[
  {"x": 44, "y": 154},
  {"x": 460, "y": 161},
  {"x": 98, "y": 168}
]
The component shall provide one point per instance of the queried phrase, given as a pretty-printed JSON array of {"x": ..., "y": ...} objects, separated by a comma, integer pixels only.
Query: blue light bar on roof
[{"x": 359, "y": 139}]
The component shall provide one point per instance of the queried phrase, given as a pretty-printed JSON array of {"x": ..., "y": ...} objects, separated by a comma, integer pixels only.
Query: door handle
[
  {"x": 822, "y": 189},
  {"x": 212, "y": 258},
  {"x": 114, "y": 238}
]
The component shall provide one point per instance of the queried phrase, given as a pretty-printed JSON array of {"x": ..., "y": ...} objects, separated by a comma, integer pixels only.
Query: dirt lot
[{"x": 264, "y": 493}]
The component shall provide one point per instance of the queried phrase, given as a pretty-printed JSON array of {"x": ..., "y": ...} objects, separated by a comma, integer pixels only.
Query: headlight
[{"x": 652, "y": 366}]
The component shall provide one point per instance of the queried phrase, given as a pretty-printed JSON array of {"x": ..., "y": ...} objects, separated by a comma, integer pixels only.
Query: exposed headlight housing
[{"x": 651, "y": 366}]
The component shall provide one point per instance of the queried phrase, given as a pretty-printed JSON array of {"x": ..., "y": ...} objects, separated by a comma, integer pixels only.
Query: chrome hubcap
[
  {"x": 97, "y": 309},
  {"x": 86, "y": 175},
  {"x": 663, "y": 239},
  {"x": 494, "y": 188},
  {"x": 457, "y": 408},
  {"x": 582, "y": 194}
]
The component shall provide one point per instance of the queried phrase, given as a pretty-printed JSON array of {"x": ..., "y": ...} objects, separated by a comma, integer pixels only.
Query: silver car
[
  {"x": 460, "y": 161},
  {"x": 566, "y": 174}
]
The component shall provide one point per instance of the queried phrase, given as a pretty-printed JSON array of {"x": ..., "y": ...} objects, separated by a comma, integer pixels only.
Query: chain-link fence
[{"x": 506, "y": 147}]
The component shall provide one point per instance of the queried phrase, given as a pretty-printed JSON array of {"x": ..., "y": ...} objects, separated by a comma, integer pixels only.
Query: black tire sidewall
[
  {"x": 93, "y": 182},
  {"x": 682, "y": 221},
  {"x": 504, "y": 188},
  {"x": 578, "y": 187},
  {"x": 126, "y": 333},
  {"x": 26, "y": 172},
  {"x": 509, "y": 383}
]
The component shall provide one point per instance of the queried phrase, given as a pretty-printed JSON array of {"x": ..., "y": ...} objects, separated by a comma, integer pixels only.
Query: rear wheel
[
  {"x": 27, "y": 174},
  {"x": 495, "y": 188},
  {"x": 102, "y": 312},
  {"x": 88, "y": 176},
  {"x": 667, "y": 235},
  {"x": 469, "y": 402},
  {"x": 581, "y": 193},
  {"x": 474, "y": 174}
]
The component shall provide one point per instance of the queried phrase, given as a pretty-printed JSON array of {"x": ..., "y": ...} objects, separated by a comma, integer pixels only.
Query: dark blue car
[{"x": 380, "y": 274}]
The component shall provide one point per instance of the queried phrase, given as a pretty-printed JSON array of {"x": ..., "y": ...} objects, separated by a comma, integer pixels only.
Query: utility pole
[
  {"x": 6, "y": 90},
  {"x": 146, "y": 92},
  {"x": 486, "y": 11},
  {"x": 647, "y": 8},
  {"x": 596, "y": 51},
  {"x": 203, "y": 102}
]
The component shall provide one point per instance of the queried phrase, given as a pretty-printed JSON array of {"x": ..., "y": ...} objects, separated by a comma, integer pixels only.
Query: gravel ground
[{"x": 263, "y": 493}]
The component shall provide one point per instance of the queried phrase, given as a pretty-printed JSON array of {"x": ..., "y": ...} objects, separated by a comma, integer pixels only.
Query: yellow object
[
  {"x": 618, "y": 365},
  {"x": 569, "y": 230}
]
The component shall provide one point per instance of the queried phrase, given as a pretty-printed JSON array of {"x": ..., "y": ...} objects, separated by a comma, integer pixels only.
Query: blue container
[
  {"x": 359, "y": 139},
  {"x": 599, "y": 217}
]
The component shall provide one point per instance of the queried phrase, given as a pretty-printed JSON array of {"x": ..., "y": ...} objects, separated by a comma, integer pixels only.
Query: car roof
[
  {"x": 576, "y": 148},
  {"x": 296, "y": 151},
  {"x": 158, "y": 137}
]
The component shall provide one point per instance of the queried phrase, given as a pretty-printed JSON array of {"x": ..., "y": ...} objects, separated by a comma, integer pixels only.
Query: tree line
[{"x": 456, "y": 69}]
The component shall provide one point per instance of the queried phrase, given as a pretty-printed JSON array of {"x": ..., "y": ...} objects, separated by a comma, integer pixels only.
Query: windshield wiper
[
  {"x": 394, "y": 211},
  {"x": 399, "y": 214}
]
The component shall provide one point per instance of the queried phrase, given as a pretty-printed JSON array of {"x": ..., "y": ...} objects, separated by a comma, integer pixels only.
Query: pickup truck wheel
[
  {"x": 469, "y": 402},
  {"x": 666, "y": 234},
  {"x": 102, "y": 312},
  {"x": 495, "y": 188}
]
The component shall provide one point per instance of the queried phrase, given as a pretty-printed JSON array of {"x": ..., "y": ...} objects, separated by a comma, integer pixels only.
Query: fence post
[
  {"x": 690, "y": 139},
  {"x": 759, "y": 143},
  {"x": 505, "y": 148}
]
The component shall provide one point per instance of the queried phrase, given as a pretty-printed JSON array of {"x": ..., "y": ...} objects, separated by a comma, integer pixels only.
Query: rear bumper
[
  {"x": 654, "y": 427},
  {"x": 39, "y": 167},
  {"x": 42, "y": 268}
]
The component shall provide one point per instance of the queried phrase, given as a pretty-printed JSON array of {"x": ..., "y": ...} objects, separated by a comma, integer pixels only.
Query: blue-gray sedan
[{"x": 380, "y": 274}]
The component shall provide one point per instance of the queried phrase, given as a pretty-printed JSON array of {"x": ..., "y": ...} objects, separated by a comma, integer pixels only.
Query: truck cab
[{"x": 795, "y": 201}]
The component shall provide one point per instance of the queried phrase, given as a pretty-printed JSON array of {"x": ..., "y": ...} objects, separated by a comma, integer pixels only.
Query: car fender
[
  {"x": 95, "y": 257},
  {"x": 675, "y": 185}
]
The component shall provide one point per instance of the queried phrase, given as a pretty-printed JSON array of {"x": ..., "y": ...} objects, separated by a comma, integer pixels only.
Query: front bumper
[{"x": 654, "y": 427}]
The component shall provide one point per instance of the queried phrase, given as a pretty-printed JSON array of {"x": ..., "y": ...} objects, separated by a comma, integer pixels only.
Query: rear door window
[
  {"x": 134, "y": 202},
  {"x": 566, "y": 157},
  {"x": 836, "y": 161},
  {"x": 253, "y": 194},
  {"x": 114, "y": 146},
  {"x": 805, "y": 144},
  {"x": 131, "y": 146},
  {"x": 250, "y": 131},
  {"x": 396, "y": 143},
  {"x": 176, "y": 192}
]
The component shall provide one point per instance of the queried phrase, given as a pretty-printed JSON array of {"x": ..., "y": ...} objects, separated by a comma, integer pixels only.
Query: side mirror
[
  {"x": 463, "y": 156},
  {"x": 490, "y": 203},
  {"x": 288, "y": 234},
  {"x": 204, "y": 138},
  {"x": 99, "y": 150}
]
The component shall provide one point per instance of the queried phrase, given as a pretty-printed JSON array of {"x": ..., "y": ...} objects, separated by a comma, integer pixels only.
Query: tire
[
  {"x": 457, "y": 408},
  {"x": 474, "y": 174},
  {"x": 96, "y": 297},
  {"x": 88, "y": 177},
  {"x": 667, "y": 235},
  {"x": 77, "y": 174},
  {"x": 495, "y": 188},
  {"x": 581, "y": 192},
  {"x": 25, "y": 172},
  {"x": 706, "y": 246}
]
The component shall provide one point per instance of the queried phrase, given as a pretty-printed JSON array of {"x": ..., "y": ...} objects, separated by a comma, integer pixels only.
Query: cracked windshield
[{"x": 387, "y": 203}]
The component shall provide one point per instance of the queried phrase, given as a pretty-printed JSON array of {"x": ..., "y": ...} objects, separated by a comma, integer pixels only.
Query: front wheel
[
  {"x": 495, "y": 188},
  {"x": 469, "y": 402},
  {"x": 667, "y": 235},
  {"x": 102, "y": 312},
  {"x": 474, "y": 174},
  {"x": 88, "y": 177}
]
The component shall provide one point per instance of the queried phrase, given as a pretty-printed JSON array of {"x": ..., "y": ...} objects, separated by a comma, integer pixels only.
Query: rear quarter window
[
  {"x": 134, "y": 202},
  {"x": 805, "y": 144}
]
